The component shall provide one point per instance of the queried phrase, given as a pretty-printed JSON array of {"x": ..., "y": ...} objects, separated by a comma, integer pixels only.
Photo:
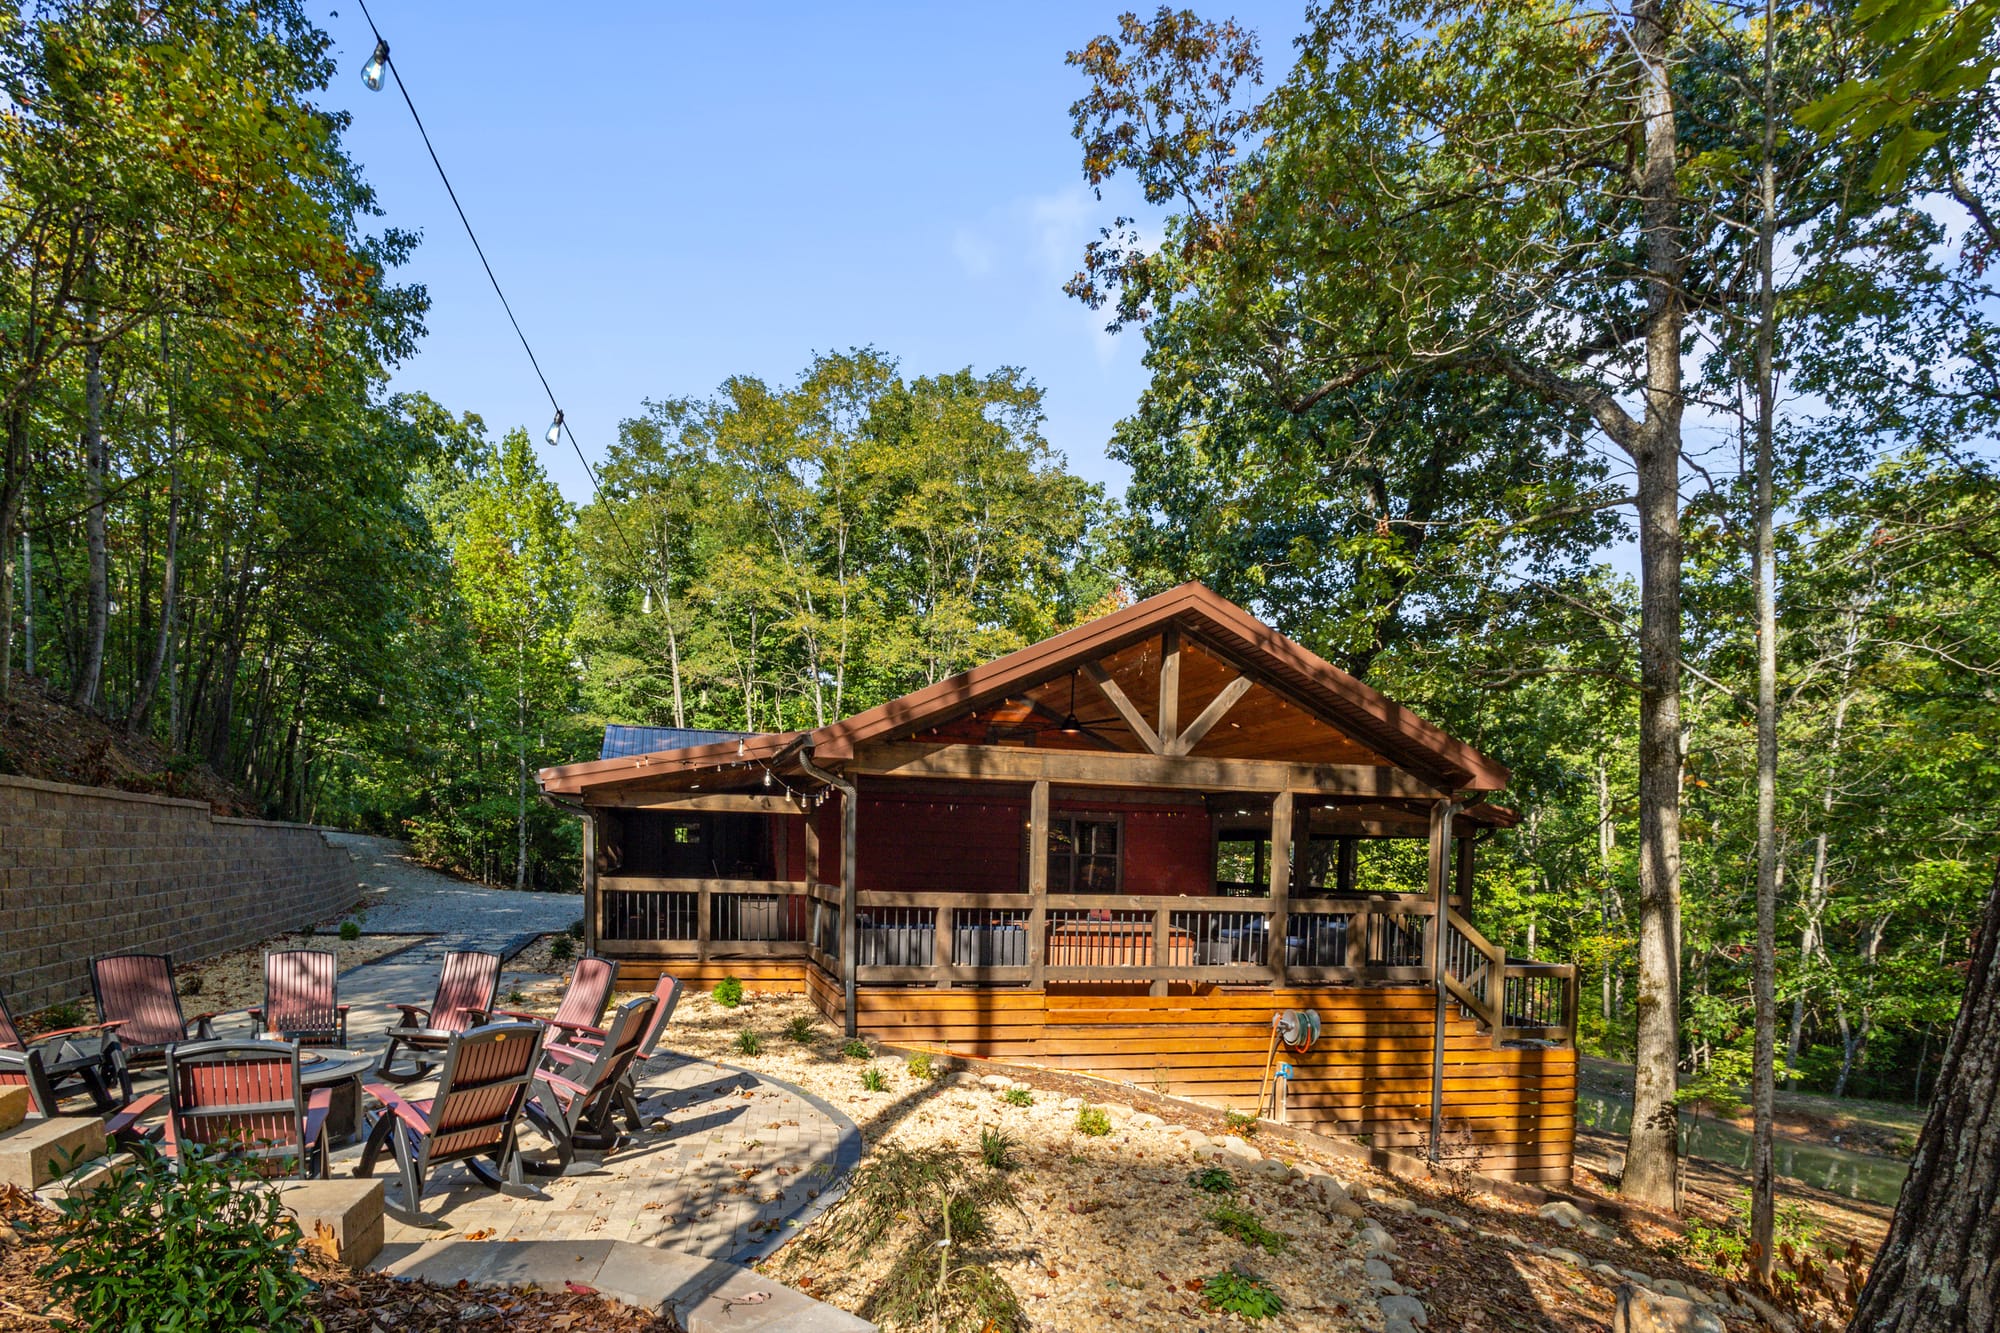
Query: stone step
[
  {"x": 37, "y": 1151},
  {"x": 84, "y": 1178},
  {"x": 343, "y": 1213}
]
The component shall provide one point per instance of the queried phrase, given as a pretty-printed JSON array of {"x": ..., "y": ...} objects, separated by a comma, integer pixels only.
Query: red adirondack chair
[
  {"x": 137, "y": 992},
  {"x": 24, "y": 1068},
  {"x": 88, "y": 1054},
  {"x": 668, "y": 993},
  {"x": 484, "y": 1078},
  {"x": 243, "y": 1098},
  {"x": 302, "y": 997},
  {"x": 577, "y": 1090},
  {"x": 583, "y": 1004},
  {"x": 466, "y": 987}
]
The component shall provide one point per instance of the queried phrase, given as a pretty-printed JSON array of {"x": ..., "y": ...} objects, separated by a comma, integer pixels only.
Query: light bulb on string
[
  {"x": 371, "y": 73},
  {"x": 554, "y": 437},
  {"x": 646, "y": 606}
]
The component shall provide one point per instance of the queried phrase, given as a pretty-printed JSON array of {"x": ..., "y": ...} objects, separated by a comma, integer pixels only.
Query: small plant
[
  {"x": 308, "y": 930},
  {"x": 517, "y": 996},
  {"x": 872, "y": 1080},
  {"x": 996, "y": 1148},
  {"x": 1018, "y": 1097},
  {"x": 68, "y": 1014},
  {"x": 800, "y": 1030},
  {"x": 576, "y": 930},
  {"x": 1212, "y": 1180},
  {"x": 1241, "y": 1294},
  {"x": 920, "y": 1068},
  {"x": 1093, "y": 1121},
  {"x": 748, "y": 1043},
  {"x": 728, "y": 992},
  {"x": 350, "y": 931},
  {"x": 189, "y": 1249},
  {"x": 1244, "y": 1225},
  {"x": 857, "y": 1049},
  {"x": 561, "y": 949},
  {"x": 1240, "y": 1123},
  {"x": 190, "y": 985}
]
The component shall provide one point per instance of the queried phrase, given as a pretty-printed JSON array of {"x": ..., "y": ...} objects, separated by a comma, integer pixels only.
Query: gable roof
[{"x": 1283, "y": 671}]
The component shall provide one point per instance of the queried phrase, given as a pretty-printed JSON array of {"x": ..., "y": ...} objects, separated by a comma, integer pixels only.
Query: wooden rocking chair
[
  {"x": 577, "y": 1090},
  {"x": 137, "y": 992},
  {"x": 302, "y": 997},
  {"x": 243, "y": 1099},
  {"x": 583, "y": 1004},
  {"x": 587, "y": 1040},
  {"x": 93, "y": 1063},
  {"x": 466, "y": 987}
]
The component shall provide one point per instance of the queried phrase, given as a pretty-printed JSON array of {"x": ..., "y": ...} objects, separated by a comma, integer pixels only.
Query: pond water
[{"x": 1854, "y": 1175}]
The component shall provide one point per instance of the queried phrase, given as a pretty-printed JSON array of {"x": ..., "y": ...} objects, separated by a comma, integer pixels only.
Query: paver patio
[{"x": 738, "y": 1157}]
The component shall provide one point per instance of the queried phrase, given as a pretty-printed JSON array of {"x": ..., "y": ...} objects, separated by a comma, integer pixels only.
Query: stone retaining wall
[{"x": 90, "y": 870}]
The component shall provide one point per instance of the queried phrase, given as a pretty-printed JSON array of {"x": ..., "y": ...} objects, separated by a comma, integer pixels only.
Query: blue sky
[{"x": 673, "y": 194}]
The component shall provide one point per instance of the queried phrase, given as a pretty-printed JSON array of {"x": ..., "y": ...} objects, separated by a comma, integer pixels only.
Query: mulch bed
[{"x": 347, "y": 1302}]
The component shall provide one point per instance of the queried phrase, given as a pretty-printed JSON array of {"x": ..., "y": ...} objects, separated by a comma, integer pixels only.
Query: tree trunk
[
  {"x": 1652, "y": 1170},
  {"x": 149, "y": 685},
  {"x": 1939, "y": 1269},
  {"x": 1764, "y": 1057},
  {"x": 97, "y": 589}
]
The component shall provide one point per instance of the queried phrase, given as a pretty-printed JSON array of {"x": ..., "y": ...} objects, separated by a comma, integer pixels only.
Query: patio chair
[
  {"x": 466, "y": 987},
  {"x": 484, "y": 1079},
  {"x": 577, "y": 1091},
  {"x": 137, "y": 992},
  {"x": 24, "y": 1068},
  {"x": 244, "y": 1099},
  {"x": 67, "y": 1061},
  {"x": 668, "y": 993},
  {"x": 583, "y": 1003},
  {"x": 302, "y": 997}
]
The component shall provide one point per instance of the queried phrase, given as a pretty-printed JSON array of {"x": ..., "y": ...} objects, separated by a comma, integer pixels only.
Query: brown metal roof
[{"x": 1216, "y": 624}]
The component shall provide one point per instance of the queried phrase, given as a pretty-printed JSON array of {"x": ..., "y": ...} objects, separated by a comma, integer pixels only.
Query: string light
[
  {"x": 554, "y": 436},
  {"x": 371, "y": 73}
]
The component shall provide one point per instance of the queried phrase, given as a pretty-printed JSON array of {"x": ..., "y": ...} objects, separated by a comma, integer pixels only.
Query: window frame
[{"x": 1066, "y": 884}]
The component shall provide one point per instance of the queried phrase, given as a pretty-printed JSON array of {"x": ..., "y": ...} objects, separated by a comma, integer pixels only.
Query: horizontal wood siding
[
  {"x": 774, "y": 976},
  {"x": 1368, "y": 1077}
]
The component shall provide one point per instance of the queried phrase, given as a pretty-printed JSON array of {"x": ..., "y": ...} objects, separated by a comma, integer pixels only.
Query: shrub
[
  {"x": 996, "y": 1148},
  {"x": 1093, "y": 1121},
  {"x": 920, "y": 1067},
  {"x": 561, "y": 949},
  {"x": 1241, "y": 1123},
  {"x": 1242, "y": 1294},
  {"x": 872, "y": 1080},
  {"x": 800, "y": 1030},
  {"x": 1244, "y": 1226},
  {"x": 1212, "y": 1180},
  {"x": 517, "y": 996},
  {"x": 350, "y": 930},
  {"x": 728, "y": 992},
  {"x": 748, "y": 1042},
  {"x": 68, "y": 1014},
  {"x": 191, "y": 1250},
  {"x": 576, "y": 930},
  {"x": 857, "y": 1049},
  {"x": 1018, "y": 1097}
]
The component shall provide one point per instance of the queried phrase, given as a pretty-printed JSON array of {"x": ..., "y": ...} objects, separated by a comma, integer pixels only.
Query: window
[
  {"x": 1083, "y": 854},
  {"x": 687, "y": 834}
]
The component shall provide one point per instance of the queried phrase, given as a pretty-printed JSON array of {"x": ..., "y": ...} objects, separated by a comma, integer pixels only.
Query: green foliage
[
  {"x": 1241, "y": 1294},
  {"x": 1093, "y": 1121},
  {"x": 1212, "y": 1180},
  {"x": 191, "y": 1248},
  {"x": 872, "y": 1080},
  {"x": 728, "y": 992},
  {"x": 800, "y": 1029},
  {"x": 517, "y": 996},
  {"x": 749, "y": 1043},
  {"x": 856, "y": 1049},
  {"x": 920, "y": 1067},
  {"x": 1246, "y": 1226},
  {"x": 68, "y": 1014},
  {"x": 1241, "y": 1123},
  {"x": 350, "y": 930},
  {"x": 575, "y": 930},
  {"x": 1724, "y": 1248},
  {"x": 561, "y": 950},
  {"x": 996, "y": 1148},
  {"x": 1018, "y": 1097}
]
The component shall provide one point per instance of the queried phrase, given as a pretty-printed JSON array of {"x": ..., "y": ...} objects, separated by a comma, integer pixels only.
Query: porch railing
[{"x": 949, "y": 940}]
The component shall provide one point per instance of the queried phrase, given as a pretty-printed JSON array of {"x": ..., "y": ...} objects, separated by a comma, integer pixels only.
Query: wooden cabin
[{"x": 1120, "y": 851}]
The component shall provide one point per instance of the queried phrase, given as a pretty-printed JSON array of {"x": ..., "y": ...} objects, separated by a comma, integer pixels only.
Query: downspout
[
  {"x": 1441, "y": 876},
  {"x": 850, "y": 799}
]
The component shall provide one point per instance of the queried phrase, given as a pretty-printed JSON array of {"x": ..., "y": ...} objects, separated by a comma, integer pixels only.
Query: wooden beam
[
  {"x": 1170, "y": 684},
  {"x": 743, "y": 803},
  {"x": 1038, "y": 880},
  {"x": 1186, "y": 773},
  {"x": 1281, "y": 881},
  {"x": 675, "y": 884},
  {"x": 1217, "y": 709},
  {"x": 1123, "y": 703},
  {"x": 590, "y": 899}
]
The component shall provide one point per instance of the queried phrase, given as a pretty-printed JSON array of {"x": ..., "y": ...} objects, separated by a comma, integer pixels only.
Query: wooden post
[
  {"x": 1462, "y": 874},
  {"x": 849, "y": 904},
  {"x": 592, "y": 902},
  {"x": 1038, "y": 882},
  {"x": 944, "y": 946},
  {"x": 1281, "y": 881},
  {"x": 1347, "y": 871},
  {"x": 1434, "y": 947},
  {"x": 1161, "y": 949},
  {"x": 703, "y": 922},
  {"x": 1170, "y": 687}
]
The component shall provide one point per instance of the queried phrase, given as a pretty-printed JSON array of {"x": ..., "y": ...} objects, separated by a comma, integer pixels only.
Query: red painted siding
[
  {"x": 938, "y": 844},
  {"x": 1167, "y": 847}
]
